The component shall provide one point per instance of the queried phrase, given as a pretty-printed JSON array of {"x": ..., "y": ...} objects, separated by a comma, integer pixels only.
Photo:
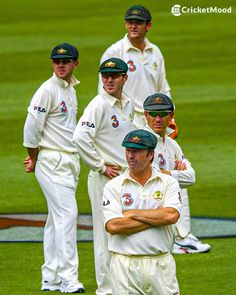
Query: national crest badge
[
  {"x": 135, "y": 139},
  {"x": 157, "y": 195},
  {"x": 158, "y": 100},
  {"x": 154, "y": 66},
  {"x": 110, "y": 64},
  {"x": 61, "y": 51}
]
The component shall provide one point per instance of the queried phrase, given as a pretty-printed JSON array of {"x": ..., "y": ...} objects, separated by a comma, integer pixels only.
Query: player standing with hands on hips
[
  {"x": 100, "y": 130},
  {"x": 48, "y": 133},
  {"x": 147, "y": 73},
  {"x": 159, "y": 110},
  {"x": 140, "y": 209}
]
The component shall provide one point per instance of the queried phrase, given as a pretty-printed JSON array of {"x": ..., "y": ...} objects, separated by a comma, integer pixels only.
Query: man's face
[
  {"x": 138, "y": 159},
  {"x": 158, "y": 121},
  {"x": 136, "y": 28},
  {"x": 64, "y": 68},
  {"x": 113, "y": 83}
]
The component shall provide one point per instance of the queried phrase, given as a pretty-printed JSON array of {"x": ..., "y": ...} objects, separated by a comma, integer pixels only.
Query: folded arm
[{"x": 141, "y": 219}]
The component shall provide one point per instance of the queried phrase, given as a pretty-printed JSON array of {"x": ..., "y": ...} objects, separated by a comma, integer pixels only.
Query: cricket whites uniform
[
  {"x": 166, "y": 153},
  {"x": 142, "y": 261},
  {"x": 49, "y": 126},
  {"x": 146, "y": 73},
  {"x": 98, "y": 136}
]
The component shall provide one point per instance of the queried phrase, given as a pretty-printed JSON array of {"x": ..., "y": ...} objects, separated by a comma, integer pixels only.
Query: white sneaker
[
  {"x": 72, "y": 287},
  {"x": 50, "y": 286},
  {"x": 190, "y": 244}
]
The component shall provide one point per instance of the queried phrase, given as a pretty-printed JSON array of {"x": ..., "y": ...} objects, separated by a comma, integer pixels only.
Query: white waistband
[{"x": 55, "y": 150}]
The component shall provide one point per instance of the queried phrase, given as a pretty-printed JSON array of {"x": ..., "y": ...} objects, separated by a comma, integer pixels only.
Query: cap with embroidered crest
[
  {"x": 113, "y": 65},
  {"x": 140, "y": 139},
  {"x": 63, "y": 51},
  {"x": 138, "y": 12},
  {"x": 158, "y": 102}
]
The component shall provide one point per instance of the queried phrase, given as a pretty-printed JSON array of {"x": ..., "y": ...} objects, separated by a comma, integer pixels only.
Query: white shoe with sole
[
  {"x": 50, "y": 286},
  {"x": 190, "y": 244},
  {"x": 72, "y": 287}
]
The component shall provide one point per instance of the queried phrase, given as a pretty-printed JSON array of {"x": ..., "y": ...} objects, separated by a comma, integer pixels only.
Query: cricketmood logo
[{"x": 178, "y": 10}]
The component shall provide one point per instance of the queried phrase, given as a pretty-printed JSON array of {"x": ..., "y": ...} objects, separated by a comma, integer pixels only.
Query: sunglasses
[
  {"x": 112, "y": 75},
  {"x": 154, "y": 114},
  {"x": 63, "y": 61}
]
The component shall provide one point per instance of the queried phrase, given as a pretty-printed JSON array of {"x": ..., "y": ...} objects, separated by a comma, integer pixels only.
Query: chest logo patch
[
  {"x": 157, "y": 195},
  {"x": 115, "y": 122},
  {"x": 127, "y": 200},
  {"x": 63, "y": 107},
  {"x": 131, "y": 65},
  {"x": 161, "y": 161},
  {"x": 154, "y": 66}
]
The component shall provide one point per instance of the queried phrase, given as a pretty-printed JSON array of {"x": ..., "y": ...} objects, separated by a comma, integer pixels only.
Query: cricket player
[
  {"x": 100, "y": 130},
  {"x": 140, "y": 208},
  {"x": 147, "y": 73},
  {"x": 159, "y": 110},
  {"x": 48, "y": 133}
]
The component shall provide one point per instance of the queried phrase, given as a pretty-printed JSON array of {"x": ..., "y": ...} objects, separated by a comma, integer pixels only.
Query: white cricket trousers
[
  {"x": 144, "y": 275},
  {"x": 57, "y": 173},
  {"x": 96, "y": 183},
  {"x": 183, "y": 225}
]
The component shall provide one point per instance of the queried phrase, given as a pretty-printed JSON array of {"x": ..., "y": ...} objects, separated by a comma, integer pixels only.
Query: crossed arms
[{"x": 137, "y": 220}]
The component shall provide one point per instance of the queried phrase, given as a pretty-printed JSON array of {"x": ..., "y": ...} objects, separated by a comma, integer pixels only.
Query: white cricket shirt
[
  {"x": 146, "y": 73},
  {"x": 51, "y": 118},
  {"x": 166, "y": 153},
  {"x": 101, "y": 130},
  {"x": 124, "y": 193}
]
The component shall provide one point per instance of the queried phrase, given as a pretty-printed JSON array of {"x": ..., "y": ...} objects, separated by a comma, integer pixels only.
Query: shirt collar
[
  {"x": 148, "y": 128},
  {"x": 112, "y": 100},
  {"x": 159, "y": 138},
  {"x": 64, "y": 83},
  {"x": 128, "y": 46},
  {"x": 156, "y": 174}
]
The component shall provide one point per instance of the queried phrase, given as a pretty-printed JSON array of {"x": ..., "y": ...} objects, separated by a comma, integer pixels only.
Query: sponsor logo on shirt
[
  {"x": 115, "y": 123},
  {"x": 90, "y": 125},
  {"x": 39, "y": 109},
  {"x": 131, "y": 65},
  {"x": 161, "y": 161},
  {"x": 105, "y": 203},
  {"x": 127, "y": 200},
  {"x": 63, "y": 107}
]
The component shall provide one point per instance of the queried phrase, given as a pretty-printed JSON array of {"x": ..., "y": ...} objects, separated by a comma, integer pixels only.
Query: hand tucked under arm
[{"x": 180, "y": 165}]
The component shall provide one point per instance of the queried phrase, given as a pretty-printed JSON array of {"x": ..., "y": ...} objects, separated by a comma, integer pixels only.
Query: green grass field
[{"x": 199, "y": 52}]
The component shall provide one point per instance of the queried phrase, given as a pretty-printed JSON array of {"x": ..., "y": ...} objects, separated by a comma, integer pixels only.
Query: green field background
[{"x": 199, "y": 51}]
